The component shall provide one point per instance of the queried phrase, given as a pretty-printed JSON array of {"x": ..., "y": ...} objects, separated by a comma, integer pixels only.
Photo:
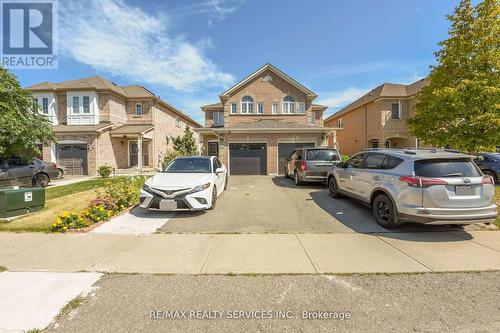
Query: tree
[
  {"x": 460, "y": 108},
  {"x": 186, "y": 144},
  {"x": 21, "y": 127}
]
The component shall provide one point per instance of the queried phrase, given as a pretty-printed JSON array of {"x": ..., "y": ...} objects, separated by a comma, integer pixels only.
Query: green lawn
[{"x": 59, "y": 191}]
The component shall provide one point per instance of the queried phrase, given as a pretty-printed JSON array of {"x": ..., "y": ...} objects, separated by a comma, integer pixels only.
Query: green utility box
[{"x": 15, "y": 202}]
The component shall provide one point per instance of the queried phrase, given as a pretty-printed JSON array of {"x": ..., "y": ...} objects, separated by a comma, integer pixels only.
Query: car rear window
[
  {"x": 440, "y": 168},
  {"x": 322, "y": 155}
]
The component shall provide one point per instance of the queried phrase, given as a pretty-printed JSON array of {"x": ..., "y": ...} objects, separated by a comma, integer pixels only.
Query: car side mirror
[{"x": 219, "y": 170}]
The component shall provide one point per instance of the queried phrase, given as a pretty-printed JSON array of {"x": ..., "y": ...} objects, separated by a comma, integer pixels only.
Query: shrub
[
  {"x": 122, "y": 192},
  {"x": 104, "y": 170},
  {"x": 67, "y": 221},
  {"x": 344, "y": 158},
  {"x": 107, "y": 203},
  {"x": 171, "y": 155},
  {"x": 98, "y": 213}
]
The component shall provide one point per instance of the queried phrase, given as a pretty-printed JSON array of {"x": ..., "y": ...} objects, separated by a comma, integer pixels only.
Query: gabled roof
[
  {"x": 385, "y": 90},
  {"x": 212, "y": 106},
  {"x": 275, "y": 70},
  {"x": 134, "y": 91}
]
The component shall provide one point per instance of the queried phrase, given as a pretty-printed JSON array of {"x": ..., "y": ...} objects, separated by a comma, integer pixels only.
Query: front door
[{"x": 133, "y": 151}]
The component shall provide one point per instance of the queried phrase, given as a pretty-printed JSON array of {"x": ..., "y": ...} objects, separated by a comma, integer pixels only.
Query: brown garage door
[{"x": 73, "y": 157}]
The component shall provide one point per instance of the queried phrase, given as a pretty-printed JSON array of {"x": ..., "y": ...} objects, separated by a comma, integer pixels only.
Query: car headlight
[{"x": 200, "y": 188}]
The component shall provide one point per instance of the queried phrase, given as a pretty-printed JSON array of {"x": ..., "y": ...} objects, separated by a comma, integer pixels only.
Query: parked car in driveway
[
  {"x": 489, "y": 163},
  {"x": 187, "y": 183},
  {"x": 310, "y": 164},
  {"x": 16, "y": 172},
  {"x": 433, "y": 187}
]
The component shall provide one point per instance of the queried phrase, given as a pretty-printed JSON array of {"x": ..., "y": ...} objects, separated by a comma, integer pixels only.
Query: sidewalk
[{"x": 252, "y": 253}]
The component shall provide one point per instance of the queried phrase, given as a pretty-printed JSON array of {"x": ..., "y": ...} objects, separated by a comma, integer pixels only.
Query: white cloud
[
  {"x": 340, "y": 98},
  {"x": 216, "y": 8},
  {"x": 125, "y": 41}
]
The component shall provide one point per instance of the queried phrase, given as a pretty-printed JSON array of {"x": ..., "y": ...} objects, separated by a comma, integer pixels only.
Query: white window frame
[
  {"x": 77, "y": 110},
  {"x": 399, "y": 110},
  {"x": 340, "y": 123},
  {"x": 83, "y": 104},
  {"x": 310, "y": 119},
  {"x": 38, "y": 98},
  {"x": 247, "y": 106},
  {"x": 218, "y": 118},
  {"x": 178, "y": 122},
  {"x": 260, "y": 108},
  {"x": 289, "y": 106},
  {"x": 140, "y": 107},
  {"x": 234, "y": 108},
  {"x": 45, "y": 110},
  {"x": 80, "y": 117},
  {"x": 302, "y": 107},
  {"x": 275, "y": 108}
]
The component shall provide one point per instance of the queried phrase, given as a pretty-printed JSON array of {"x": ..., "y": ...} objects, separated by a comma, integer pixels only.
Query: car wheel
[
  {"x": 41, "y": 180},
  {"x": 384, "y": 212},
  {"x": 214, "y": 198},
  {"x": 226, "y": 182},
  {"x": 60, "y": 173},
  {"x": 333, "y": 189},
  {"x": 296, "y": 179},
  {"x": 492, "y": 174}
]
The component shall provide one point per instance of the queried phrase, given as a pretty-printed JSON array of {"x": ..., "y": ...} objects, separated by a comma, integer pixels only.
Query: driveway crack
[
  {"x": 406, "y": 254},
  {"x": 307, "y": 254}
]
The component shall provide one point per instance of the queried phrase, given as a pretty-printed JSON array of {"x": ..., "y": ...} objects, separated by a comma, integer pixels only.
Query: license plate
[
  {"x": 168, "y": 205},
  {"x": 465, "y": 190}
]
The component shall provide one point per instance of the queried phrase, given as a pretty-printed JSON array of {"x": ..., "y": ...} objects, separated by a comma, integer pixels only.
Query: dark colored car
[
  {"x": 489, "y": 163},
  {"x": 16, "y": 172},
  {"x": 310, "y": 164}
]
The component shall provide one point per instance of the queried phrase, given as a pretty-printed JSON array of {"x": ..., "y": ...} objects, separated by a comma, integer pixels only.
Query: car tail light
[
  {"x": 303, "y": 166},
  {"x": 488, "y": 180},
  {"x": 422, "y": 181}
]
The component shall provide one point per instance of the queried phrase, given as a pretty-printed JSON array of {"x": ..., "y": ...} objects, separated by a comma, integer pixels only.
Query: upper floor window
[
  {"x": 138, "y": 109},
  {"x": 288, "y": 105},
  {"x": 310, "y": 118},
  {"x": 302, "y": 107},
  {"x": 76, "y": 104},
  {"x": 234, "y": 108},
  {"x": 340, "y": 123},
  {"x": 178, "y": 122},
  {"x": 260, "y": 108},
  {"x": 395, "y": 111},
  {"x": 218, "y": 118},
  {"x": 247, "y": 104},
  {"x": 45, "y": 105},
  {"x": 275, "y": 108},
  {"x": 86, "y": 104}
]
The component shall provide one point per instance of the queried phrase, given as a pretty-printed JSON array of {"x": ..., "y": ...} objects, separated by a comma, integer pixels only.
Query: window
[
  {"x": 395, "y": 111},
  {"x": 178, "y": 122},
  {"x": 275, "y": 108},
  {"x": 302, "y": 107},
  {"x": 247, "y": 105},
  {"x": 133, "y": 150},
  {"x": 213, "y": 149},
  {"x": 374, "y": 161},
  {"x": 340, "y": 123},
  {"x": 322, "y": 155},
  {"x": 355, "y": 161},
  {"x": 218, "y": 118},
  {"x": 375, "y": 144},
  {"x": 45, "y": 105},
  {"x": 76, "y": 104},
  {"x": 86, "y": 104},
  {"x": 391, "y": 162},
  {"x": 260, "y": 108},
  {"x": 439, "y": 168},
  {"x": 288, "y": 105},
  {"x": 310, "y": 118},
  {"x": 234, "y": 109},
  {"x": 138, "y": 109}
]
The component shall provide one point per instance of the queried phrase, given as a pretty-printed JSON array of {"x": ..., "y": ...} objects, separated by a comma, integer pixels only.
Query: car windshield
[
  {"x": 441, "y": 168},
  {"x": 322, "y": 155},
  {"x": 188, "y": 165}
]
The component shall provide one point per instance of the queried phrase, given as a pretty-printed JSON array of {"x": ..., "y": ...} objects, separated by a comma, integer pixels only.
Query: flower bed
[{"x": 117, "y": 195}]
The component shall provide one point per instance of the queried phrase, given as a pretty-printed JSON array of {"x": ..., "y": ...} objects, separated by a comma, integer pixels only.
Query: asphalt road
[
  {"x": 447, "y": 302},
  {"x": 259, "y": 204}
]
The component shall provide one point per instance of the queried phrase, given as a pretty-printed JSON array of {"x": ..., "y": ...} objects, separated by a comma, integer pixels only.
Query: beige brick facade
[
  {"x": 107, "y": 142},
  {"x": 368, "y": 122},
  {"x": 266, "y": 86}
]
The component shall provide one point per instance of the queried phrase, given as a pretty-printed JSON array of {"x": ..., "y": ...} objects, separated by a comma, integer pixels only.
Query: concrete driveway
[{"x": 260, "y": 204}]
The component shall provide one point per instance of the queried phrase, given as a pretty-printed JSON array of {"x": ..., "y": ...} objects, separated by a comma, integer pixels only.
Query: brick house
[
  {"x": 260, "y": 120},
  {"x": 97, "y": 122},
  {"x": 377, "y": 119}
]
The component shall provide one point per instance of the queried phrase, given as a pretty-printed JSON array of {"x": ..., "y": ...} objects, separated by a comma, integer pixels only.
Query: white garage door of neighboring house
[{"x": 284, "y": 150}]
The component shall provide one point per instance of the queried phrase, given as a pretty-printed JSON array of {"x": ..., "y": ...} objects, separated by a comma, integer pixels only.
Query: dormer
[
  {"x": 82, "y": 108},
  {"x": 48, "y": 105}
]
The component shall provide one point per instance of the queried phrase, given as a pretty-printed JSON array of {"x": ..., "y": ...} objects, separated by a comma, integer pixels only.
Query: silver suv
[{"x": 422, "y": 186}]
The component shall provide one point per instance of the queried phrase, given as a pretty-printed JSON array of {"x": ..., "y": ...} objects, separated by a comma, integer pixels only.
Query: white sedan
[{"x": 186, "y": 183}]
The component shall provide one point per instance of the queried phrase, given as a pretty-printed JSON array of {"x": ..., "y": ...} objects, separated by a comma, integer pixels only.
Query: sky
[{"x": 190, "y": 51}]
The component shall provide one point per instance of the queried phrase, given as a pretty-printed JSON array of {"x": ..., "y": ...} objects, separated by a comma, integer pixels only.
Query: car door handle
[{"x": 376, "y": 177}]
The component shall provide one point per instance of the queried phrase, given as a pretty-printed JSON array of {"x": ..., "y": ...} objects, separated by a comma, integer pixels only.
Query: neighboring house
[
  {"x": 260, "y": 120},
  {"x": 378, "y": 119},
  {"x": 97, "y": 122}
]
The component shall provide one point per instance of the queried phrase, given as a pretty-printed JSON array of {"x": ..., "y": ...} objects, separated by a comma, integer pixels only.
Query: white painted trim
[
  {"x": 81, "y": 118},
  {"x": 128, "y": 152},
  {"x": 52, "y": 106}
]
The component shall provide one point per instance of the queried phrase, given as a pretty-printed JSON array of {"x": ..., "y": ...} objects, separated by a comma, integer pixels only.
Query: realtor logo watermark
[{"x": 29, "y": 34}]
